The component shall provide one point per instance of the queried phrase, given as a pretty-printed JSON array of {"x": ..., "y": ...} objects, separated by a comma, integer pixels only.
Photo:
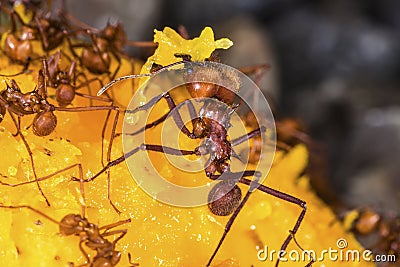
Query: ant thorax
[
  {"x": 217, "y": 111},
  {"x": 216, "y": 116},
  {"x": 21, "y": 103}
]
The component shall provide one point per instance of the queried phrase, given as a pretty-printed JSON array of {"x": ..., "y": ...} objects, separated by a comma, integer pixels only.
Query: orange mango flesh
[{"x": 159, "y": 234}]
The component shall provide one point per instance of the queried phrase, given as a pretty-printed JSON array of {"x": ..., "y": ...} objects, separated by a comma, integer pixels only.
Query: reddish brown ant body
[
  {"x": 225, "y": 198},
  {"x": 91, "y": 235}
]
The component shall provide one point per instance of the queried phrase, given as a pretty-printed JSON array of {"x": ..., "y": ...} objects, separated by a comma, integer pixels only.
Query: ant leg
[
  {"x": 192, "y": 113},
  {"x": 156, "y": 148},
  {"x": 36, "y": 211},
  {"x": 121, "y": 233},
  {"x": 171, "y": 105},
  {"x": 285, "y": 197},
  {"x": 113, "y": 225},
  {"x": 248, "y": 136},
  {"x": 84, "y": 252},
  {"x": 17, "y": 124},
  {"x": 45, "y": 42},
  {"x": 228, "y": 225},
  {"x": 44, "y": 177},
  {"x": 109, "y": 153},
  {"x": 257, "y": 70},
  {"x": 118, "y": 58}
]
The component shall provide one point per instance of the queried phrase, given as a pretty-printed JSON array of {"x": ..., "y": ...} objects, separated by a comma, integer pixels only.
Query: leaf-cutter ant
[
  {"x": 225, "y": 198},
  {"x": 91, "y": 235}
]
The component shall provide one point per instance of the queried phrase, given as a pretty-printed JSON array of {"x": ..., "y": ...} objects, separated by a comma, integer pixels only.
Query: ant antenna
[
  {"x": 108, "y": 85},
  {"x": 134, "y": 76}
]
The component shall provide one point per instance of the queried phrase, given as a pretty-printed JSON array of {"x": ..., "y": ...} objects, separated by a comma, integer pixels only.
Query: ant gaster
[
  {"x": 212, "y": 124},
  {"x": 91, "y": 235}
]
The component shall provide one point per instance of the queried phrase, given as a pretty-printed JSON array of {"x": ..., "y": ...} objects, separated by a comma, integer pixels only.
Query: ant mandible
[
  {"x": 91, "y": 235},
  {"x": 225, "y": 198},
  {"x": 44, "y": 123}
]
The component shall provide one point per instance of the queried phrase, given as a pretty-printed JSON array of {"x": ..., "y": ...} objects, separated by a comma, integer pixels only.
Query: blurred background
[{"x": 335, "y": 67}]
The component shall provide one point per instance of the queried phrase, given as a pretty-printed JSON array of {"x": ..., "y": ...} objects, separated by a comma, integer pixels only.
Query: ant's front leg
[
  {"x": 172, "y": 107},
  {"x": 192, "y": 113}
]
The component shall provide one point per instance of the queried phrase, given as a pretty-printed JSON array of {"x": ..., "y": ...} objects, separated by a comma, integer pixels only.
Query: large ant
[
  {"x": 225, "y": 198},
  {"x": 91, "y": 235},
  {"x": 35, "y": 102}
]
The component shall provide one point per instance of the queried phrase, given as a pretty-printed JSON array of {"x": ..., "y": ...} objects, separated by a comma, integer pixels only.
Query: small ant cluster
[{"x": 37, "y": 42}]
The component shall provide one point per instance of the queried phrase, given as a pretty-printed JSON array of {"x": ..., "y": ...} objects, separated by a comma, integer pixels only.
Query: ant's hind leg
[{"x": 288, "y": 198}]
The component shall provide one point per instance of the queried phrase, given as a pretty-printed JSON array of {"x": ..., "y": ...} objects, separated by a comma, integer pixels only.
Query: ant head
[
  {"x": 63, "y": 77},
  {"x": 44, "y": 123},
  {"x": 200, "y": 128},
  {"x": 72, "y": 224},
  {"x": 223, "y": 199}
]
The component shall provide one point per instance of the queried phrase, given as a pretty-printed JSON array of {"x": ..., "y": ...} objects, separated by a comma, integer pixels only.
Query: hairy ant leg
[
  {"x": 171, "y": 105},
  {"x": 148, "y": 147},
  {"x": 170, "y": 112}
]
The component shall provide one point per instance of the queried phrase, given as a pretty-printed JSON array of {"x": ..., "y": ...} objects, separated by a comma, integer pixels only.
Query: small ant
[
  {"x": 382, "y": 232},
  {"x": 110, "y": 41},
  {"x": 44, "y": 123},
  {"x": 65, "y": 81},
  {"x": 225, "y": 198},
  {"x": 91, "y": 235},
  {"x": 18, "y": 42}
]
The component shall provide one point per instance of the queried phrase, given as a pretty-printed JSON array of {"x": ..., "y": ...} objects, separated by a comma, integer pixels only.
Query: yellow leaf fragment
[{"x": 170, "y": 43}]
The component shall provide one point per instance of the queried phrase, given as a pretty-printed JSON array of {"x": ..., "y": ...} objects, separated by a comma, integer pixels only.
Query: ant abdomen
[
  {"x": 16, "y": 50},
  {"x": 65, "y": 93},
  {"x": 97, "y": 64},
  {"x": 44, "y": 123},
  {"x": 223, "y": 199}
]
